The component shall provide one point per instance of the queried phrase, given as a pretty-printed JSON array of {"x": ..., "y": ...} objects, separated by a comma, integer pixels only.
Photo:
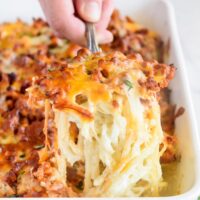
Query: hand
[{"x": 62, "y": 17}]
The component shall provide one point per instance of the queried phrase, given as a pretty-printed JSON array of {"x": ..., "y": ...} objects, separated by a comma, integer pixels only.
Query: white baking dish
[{"x": 159, "y": 16}]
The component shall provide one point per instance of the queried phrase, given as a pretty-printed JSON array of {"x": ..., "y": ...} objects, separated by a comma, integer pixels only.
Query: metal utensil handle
[{"x": 92, "y": 44}]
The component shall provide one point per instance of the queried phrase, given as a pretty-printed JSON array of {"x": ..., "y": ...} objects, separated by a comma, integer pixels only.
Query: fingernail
[{"x": 91, "y": 11}]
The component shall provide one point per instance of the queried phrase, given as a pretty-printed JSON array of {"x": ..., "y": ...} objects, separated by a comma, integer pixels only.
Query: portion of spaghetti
[
  {"x": 107, "y": 117},
  {"x": 90, "y": 125}
]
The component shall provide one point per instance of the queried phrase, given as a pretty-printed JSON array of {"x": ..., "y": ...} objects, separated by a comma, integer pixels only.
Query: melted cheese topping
[
  {"x": 114, "y": 133},
  {"x": 90, "y": 127}
]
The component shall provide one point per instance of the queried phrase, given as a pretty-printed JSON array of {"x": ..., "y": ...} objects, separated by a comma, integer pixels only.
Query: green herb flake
[
  {"x": 21, "y": 172},
  {"x": 128, "y": 83},
  {"x": 38, "y": 147},
  {"x": 198, "y": 198},
  {"x": 51, "y": 69}
]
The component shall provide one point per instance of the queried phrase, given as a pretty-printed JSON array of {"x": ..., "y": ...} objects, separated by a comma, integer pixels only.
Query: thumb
[{"x": 89, "y": 10}]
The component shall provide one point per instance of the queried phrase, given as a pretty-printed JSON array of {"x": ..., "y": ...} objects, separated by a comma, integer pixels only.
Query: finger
[
  {"x": 89, "y": 10},
  {"x": 104, "y": 37},
  {"x": 60, "y": 16},
  {"x": 90, "y": 14},
  {"x": 107, "y": 10}
]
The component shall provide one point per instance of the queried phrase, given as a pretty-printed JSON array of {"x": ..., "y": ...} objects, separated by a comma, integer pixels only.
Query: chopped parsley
[
  {"x": 21, "y": 172},
  {"x": 38, "y": 147},
  {"x": 128, "y": 84},
  {"x": 51, "y": 69}
]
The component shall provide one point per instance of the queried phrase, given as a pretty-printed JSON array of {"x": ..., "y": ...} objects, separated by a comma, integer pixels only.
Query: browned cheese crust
[{"x": 27, "y": 149}]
